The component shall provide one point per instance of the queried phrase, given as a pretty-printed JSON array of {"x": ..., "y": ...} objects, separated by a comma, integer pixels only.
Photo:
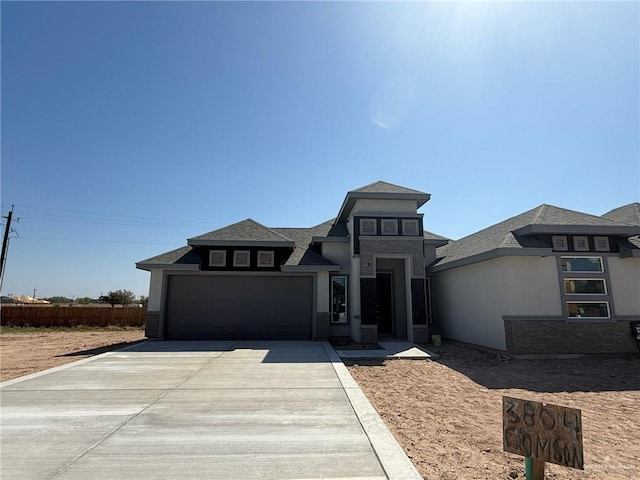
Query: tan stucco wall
[{"x": 624, "y": 275}]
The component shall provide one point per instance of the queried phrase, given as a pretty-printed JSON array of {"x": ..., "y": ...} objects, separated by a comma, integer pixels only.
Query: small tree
[
  {"x": 125, "y": 297},
  {"x": 109, "y": 298}
]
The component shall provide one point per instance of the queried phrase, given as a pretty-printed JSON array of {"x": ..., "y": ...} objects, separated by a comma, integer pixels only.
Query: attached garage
[{"x": 228, "y": 307}]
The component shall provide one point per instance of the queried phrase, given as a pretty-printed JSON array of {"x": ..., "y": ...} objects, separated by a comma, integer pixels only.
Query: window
[
  {"x": 585, "y": 286},
  {"x": 339, "y": 299},
  {"x": 410, "y": 227},
  {"x": 582, "y": 264},
  {"x": 588, "y": 309},
  {"x": 368, "y": 226},
  {"x": 241, "y": 258},
  {"x": 217, "y": 258},
  {"x": 265, "y": 258},
  {"x": 389, "y": 226}
]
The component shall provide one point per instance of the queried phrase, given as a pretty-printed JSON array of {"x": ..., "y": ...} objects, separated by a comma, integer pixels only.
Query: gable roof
[
  {"x": 511, "y": 235},
  {"x": 380, "y": 190},
  {"x": 247, "y": 233},
  {"x": 626, "y": 214}
]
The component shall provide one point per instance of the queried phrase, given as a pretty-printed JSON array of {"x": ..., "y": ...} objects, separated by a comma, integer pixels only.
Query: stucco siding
[
  {"x": 367, "y": 206},
  {"x": 155, "y": 290},
  {"x": 322, "y": 292},
  {"x": 533, "y": 286},
  {"x": 469, "y": 302},
  {"x": 338, "y": 252},
  {"x": 624, "y": 274}
]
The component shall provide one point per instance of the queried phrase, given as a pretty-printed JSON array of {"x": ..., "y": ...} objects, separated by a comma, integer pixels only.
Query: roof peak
[{"x": 385, "y": 187}]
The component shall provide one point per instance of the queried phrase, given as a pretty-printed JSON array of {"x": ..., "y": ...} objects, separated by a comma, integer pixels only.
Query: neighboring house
[{"x": 549, "y": 280}]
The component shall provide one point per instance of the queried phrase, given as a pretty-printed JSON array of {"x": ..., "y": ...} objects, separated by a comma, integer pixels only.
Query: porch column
[
  {"x": 368, "y": 325},
  {"x": 419, "y": 310}
]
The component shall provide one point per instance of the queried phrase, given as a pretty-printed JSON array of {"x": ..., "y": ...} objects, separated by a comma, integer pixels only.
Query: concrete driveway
[{"x": 196, "y": 410}]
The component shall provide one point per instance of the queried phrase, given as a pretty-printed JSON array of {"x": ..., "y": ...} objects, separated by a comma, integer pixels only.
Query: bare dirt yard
[
  {"x": 447, "y": 414},
  {"x": 29, "y": 350}
]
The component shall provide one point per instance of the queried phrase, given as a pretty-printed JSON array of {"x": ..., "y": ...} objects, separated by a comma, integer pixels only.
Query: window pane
[
  {"x": 339, "y": 299},
  {"x": 588, "y": 309},
  {"x": 587, "y": 286},
  {"x": 582, "y": 264}
]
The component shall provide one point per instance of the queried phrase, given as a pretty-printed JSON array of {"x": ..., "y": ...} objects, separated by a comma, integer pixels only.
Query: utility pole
[
  {"x": 5, "y": 241},
  {"x": 34, "y": 296}
]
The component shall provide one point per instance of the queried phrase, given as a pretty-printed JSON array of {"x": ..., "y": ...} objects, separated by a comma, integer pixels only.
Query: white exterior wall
[
  {"x": 322, "y": 292},
  {"x": 155, "y": 290},
  {"x": 367, "y": 206},
  {"x": 624, "y": 275},
  {"x": 469, "y": 302},
  {"x": 340, "y": 253},
  {"x": 533, "y": 287}
]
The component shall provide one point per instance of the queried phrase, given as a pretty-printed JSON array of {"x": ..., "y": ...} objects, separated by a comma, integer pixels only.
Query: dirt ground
[
  {"x": 39, "y": 349},
  {"x": 447, "y": 414}
]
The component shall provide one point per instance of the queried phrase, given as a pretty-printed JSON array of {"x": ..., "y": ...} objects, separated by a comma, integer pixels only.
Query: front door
[{"x": 384, "y": 302}]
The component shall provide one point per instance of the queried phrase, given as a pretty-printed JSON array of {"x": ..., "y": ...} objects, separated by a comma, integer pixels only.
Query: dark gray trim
[
  {"x": 578, "y": 229},
  {"x": 163, "y": 266},
  {"x": 239, "y": 243},
  {"x": 330, "y": 239},
  {"x": 495, "y": 253},
  {"x": 437, "y": 243},
  {"x": 310, "y": 268},
  {"x": 352, "y": 197},
  {"x": 564, "y": 298}
]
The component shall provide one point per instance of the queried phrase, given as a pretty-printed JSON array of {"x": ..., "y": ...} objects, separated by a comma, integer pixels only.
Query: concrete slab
[
  {"x": 391, "y": 349},
  {"x": 215, "y": 410}
]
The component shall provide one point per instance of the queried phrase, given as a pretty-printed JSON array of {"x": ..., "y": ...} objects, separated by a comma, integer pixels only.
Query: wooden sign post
[{"x": 542, "y": 433}]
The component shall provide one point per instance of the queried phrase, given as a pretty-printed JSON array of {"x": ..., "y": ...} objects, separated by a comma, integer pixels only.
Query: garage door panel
[{"x": 235, "y": 308}]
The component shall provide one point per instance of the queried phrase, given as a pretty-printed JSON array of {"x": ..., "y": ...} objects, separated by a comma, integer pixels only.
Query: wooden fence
[{"x": 22, "y": 316}]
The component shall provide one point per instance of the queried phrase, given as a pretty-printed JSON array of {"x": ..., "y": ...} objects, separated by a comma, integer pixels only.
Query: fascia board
[
  {"x": 163, "y": 266},
  {"x": 240, "y": 243},
  {"x": 628, "y": 231},
  {"x": 495, "y": 253},
  {"x": 330, "y": 239},
  {"x": 310, "y": 268}
]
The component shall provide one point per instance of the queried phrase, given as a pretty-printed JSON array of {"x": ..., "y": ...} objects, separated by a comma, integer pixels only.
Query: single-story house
[
  {"x": 368, "y": 272},
  {"x": 549, "y": 280}
]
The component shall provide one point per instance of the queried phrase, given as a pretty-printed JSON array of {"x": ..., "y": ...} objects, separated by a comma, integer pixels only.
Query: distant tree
[
  {"x": 59, "y": 300},
  {"x": 143, "y": 301},
  {"x": 109, "y": 298},
  {"x": 119, "y": 297},
  {"x": 84, "y": 300}
]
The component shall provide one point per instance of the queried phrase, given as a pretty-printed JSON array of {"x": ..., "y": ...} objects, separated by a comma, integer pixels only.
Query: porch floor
[{"x": 391, "y": 348}]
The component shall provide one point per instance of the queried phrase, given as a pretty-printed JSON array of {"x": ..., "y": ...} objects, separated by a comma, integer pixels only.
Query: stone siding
[
  {"x": 369, "y": 334},
  {"x": 323, "y": 326},
  {"x": 391, "y": 246},
  {"x": 420, "y": 334},
  {"x": 152, "y": 325},
  {"x": 558, "y": 335}
]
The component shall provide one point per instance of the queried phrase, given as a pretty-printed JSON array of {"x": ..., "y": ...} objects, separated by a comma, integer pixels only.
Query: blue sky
[{"x": 128, "y": 127}]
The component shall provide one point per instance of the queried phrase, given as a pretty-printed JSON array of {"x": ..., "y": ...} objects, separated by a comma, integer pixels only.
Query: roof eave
[
  {"x": 240, "y": 243},
  {"x": 163, "y": 266},
  {"x": 310, "y": 268},
  {"x": 495, "y": 253},
  {"x": 329, "y": 239},
  {"x": 534, "y": 229},
  {"x": 350, "y": 200}
]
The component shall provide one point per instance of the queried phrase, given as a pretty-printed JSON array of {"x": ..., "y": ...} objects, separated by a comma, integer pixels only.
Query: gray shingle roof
[
  {"x": 385, "y": 187},
  {"x": 245, "y": 231},
  {"x": 501, "y": 235},
  {"x": 625, "y": 214},
  {"x": 186, "y": 255},
  {"x": 434, "y": 236}
]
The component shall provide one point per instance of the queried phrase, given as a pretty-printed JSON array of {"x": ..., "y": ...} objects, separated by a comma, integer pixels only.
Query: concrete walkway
[
  {"x": 391, "y": 348},
  {"x": 196, "y": 410}
]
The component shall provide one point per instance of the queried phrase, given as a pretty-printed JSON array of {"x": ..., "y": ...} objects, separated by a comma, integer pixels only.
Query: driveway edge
[{"x": 392, "y": 457}]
